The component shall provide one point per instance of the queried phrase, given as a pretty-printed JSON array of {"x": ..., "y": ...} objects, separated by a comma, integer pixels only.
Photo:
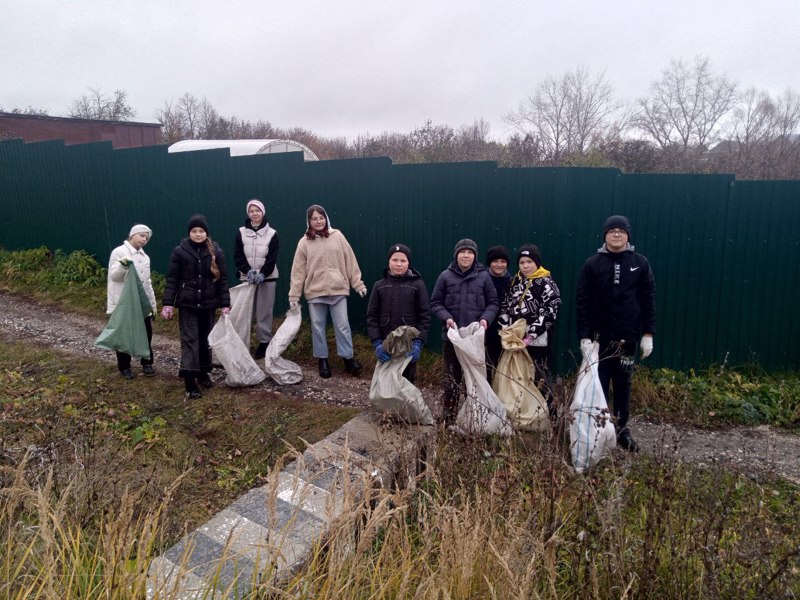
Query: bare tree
[
  {"x": 761, "y": 138},
  {"x": 685, "y": 106},
  {"x": 567, "y": 113},
  {"x": 171, "y": 123},
  {"x": 188, "y": 107},
  {"x": 97, "y": 105}
]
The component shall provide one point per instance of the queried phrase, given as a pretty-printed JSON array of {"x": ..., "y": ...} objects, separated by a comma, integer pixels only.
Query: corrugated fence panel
[
  {"x": 678, "y": 223},
  {"x": 724, "y": 255},
  {"x": 759, "y": 320}
]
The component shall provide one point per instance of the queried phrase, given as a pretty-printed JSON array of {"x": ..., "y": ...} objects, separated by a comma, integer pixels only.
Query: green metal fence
[{"x": 724, "y": 252}]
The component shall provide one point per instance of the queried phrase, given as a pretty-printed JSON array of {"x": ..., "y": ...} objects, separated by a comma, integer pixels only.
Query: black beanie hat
[
  {"x": 530, "y": 251},
  {"x": 465, "y": 244},
  {"x": 497, "y": 252},
  {"x": 400, "y": 248},
  {"x": 617, "y": 222},
  {"x": 197, "y": 221}
]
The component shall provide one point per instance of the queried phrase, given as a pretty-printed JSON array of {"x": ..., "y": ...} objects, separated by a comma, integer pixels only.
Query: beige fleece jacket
[{"x": 324, "y": 267}]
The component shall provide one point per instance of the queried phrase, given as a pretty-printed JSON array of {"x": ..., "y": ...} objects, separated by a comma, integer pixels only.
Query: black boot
[
  {"x": 352, "y": 366},
  {"x": 324, "y": 368},
  {"x": 261, "y": 351},
  {"x": 626, "y": 442},
  {"x": 192, "y": 391}
]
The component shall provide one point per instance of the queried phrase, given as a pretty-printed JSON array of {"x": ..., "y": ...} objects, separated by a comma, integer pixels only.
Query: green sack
[{"x": 125, "y": 331}]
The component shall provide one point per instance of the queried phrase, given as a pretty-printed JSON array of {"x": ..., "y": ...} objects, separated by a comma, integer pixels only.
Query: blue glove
[
  {"x": 251, "y": 276},
  {"x": 382, "y": 355},
  {"x": 416, "y": 350},
  {"x": 259, "y": 278}
]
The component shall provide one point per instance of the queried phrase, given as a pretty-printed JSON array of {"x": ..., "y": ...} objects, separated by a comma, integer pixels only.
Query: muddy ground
[{"x": 755, "y": 451}]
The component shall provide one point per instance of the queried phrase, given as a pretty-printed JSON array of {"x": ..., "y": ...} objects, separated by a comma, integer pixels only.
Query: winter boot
[
  {"x": 324, "y": 368},
  {"x": 352, "y": 366},
  {"x": 261, "y": 351},
  {"x": 192, "y": 391},
  {"x": 626, "y": 442}
]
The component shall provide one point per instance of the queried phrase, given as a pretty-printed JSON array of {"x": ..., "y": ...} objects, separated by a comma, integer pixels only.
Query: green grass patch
[
  {"x": 78, "y": 418},
  {"x": 719, "y": 396}
]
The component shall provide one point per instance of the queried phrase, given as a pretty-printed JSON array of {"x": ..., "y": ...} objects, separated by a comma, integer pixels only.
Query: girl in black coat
[
  {"x": 197, "y": 283},
  {"x": 400, "y": 298}
]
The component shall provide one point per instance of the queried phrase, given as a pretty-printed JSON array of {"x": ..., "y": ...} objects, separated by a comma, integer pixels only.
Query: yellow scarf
[{"x": 537, "y": 274}]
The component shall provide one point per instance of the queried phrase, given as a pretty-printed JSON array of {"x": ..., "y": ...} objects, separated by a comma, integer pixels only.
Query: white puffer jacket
[
  {"x": 255, "y": 245},
  {"x": 117, "y": 274}
]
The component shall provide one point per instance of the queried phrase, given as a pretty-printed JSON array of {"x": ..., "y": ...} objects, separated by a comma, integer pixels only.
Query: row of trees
[{"x": 692, "y": 120}]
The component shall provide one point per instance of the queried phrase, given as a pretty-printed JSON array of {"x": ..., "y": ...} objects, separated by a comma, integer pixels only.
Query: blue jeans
[{"x": 341, "y": 326}]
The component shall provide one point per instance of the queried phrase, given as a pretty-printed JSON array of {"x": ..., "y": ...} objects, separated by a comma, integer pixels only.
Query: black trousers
[
  {"x": 195, "y": 325},
  {"x": 540, "y": 355},
  {"x": 452, "y": 382},
  {"x": 616, "y": 369},
  {"x": 124, "y": 360}
]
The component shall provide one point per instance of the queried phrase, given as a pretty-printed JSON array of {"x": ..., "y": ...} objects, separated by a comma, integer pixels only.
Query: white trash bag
[
  {"x": 514, "y": 382},
  {"x": 392, "y": 393},
  {"x": 241, "y": 315},
  {"x": 282, "y": 370},
  {"x": 482, "y": 413},
  {"x": 591, "y": 433},
  {"x": 240, "y": 368}
]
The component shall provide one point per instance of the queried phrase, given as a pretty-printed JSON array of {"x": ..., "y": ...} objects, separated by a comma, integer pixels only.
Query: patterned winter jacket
[{"x": 535, "y": 299}]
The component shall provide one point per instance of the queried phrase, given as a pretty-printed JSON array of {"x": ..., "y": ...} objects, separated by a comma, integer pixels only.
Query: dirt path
[{"x": 760, "y": 451}]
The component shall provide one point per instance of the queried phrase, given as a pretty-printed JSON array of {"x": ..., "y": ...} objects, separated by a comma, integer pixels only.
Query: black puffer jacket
[
  {"x": 616, "y": 297},
  {"x": 398, "y": 300},
  {"x": 190, "y": 283},
  {"x": 464, "y": 297}
]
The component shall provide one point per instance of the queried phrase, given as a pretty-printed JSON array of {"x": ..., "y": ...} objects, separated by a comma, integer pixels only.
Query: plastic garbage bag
[
  {"x": 482, "y": 413},
  {"x": 515, "y": 385},
  {"x": 282, "y": 370},
  {"x": 240, "y": 368},
  {"x": 126, "y": 331},
  {"x": 592, "y": 434},
  {"x": 392, "y": 393},
  {"x": 241, "y": 315}
]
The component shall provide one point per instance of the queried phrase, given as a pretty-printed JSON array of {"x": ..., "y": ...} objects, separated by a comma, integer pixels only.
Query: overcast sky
[{"x": 343, "y": 68}]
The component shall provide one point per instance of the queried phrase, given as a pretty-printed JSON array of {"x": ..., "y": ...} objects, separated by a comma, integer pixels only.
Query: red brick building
[{"x": 38, "y": 128}]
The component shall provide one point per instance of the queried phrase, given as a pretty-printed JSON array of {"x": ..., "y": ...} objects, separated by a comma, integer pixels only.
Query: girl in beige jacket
[{"x": 324, "y": 269}]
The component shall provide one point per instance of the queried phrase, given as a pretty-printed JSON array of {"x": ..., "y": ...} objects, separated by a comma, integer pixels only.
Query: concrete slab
[{"x": 270, "y": 530}]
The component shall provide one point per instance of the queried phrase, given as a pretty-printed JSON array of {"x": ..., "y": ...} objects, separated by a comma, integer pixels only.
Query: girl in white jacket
[{"x": 131, "y": 252}]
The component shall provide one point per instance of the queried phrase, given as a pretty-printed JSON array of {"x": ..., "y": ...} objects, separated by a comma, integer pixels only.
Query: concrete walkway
[{"x": 267, "y": 533}]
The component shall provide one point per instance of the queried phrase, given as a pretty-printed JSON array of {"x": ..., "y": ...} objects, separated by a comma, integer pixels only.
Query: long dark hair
[{"x": 310, "y": 233}]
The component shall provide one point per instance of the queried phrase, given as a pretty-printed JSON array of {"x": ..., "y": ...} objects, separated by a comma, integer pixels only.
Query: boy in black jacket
[
  {"x": 616, "y": 304},
  {"x": 400, "y": 298}
]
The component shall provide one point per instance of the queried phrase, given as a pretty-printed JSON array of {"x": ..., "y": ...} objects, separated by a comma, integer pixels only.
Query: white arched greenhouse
[{"x": 245, "y": 147}]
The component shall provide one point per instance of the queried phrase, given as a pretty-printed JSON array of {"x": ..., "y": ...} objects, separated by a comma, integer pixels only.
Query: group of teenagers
[{"x": 615, "y": 301}]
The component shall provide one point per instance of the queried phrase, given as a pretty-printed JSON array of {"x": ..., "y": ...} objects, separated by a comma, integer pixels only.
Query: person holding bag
[
  {"x": 131, "y": 252},
  {"x": 255, "y": 254},
  {"x": 533, "y": 296},
  {"x": 197, "y": 283},
  {"x": 400, "y": 298}
]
